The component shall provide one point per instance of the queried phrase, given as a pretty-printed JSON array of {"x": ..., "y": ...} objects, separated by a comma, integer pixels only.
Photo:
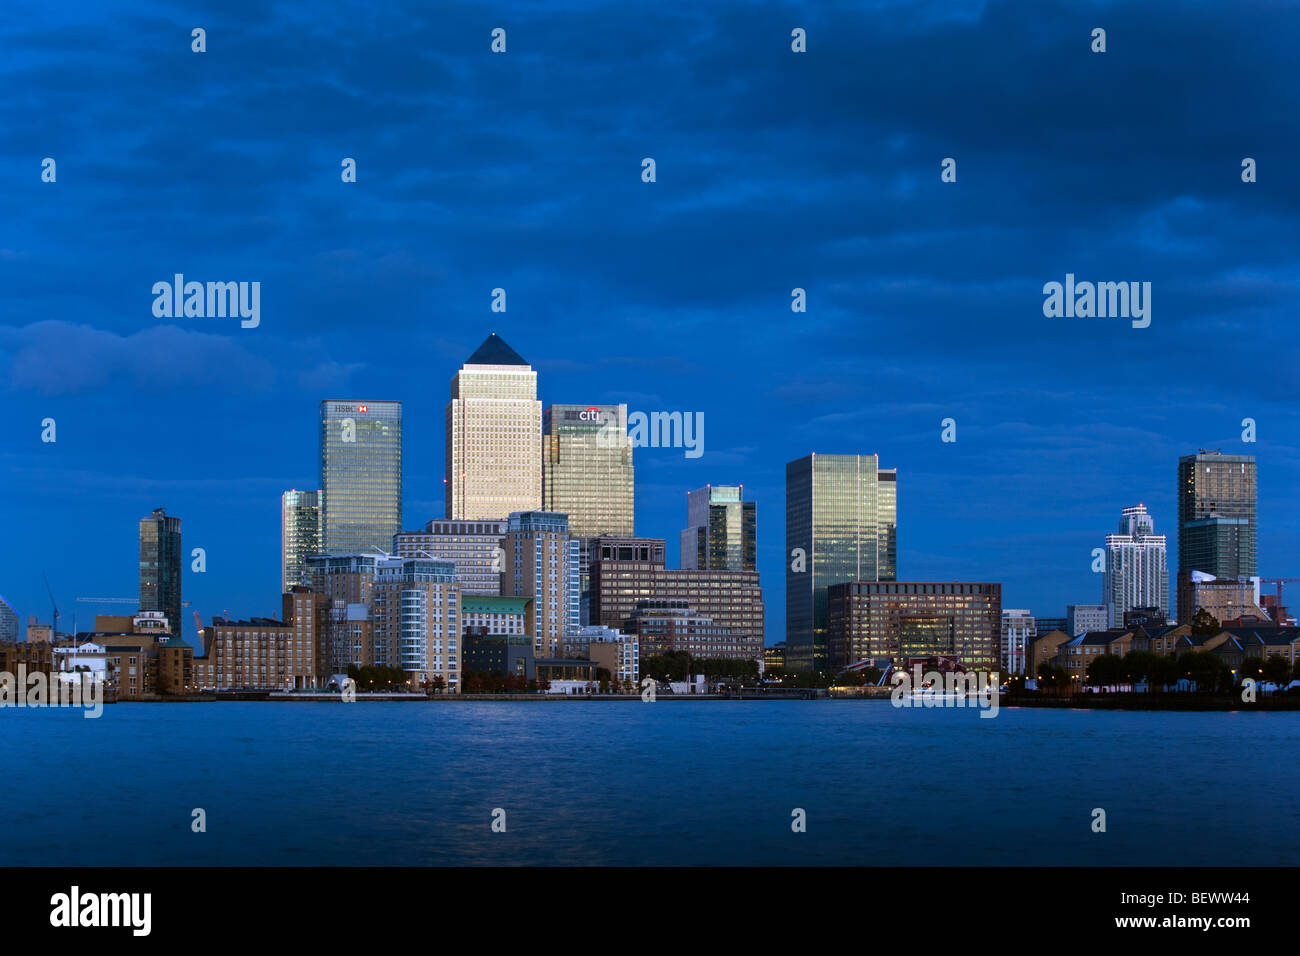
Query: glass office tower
[
  {"x": 841, "y": 525},
  {"x": 8, "y": 622},
  {"x": 299, "y": 534},
  {"x": 1214, "y": 485},
  {"x": 160, "y": 566},
  {"x": 587, "y": 468},
  {"x": 587, "y": 475},
  {"x": 721, "y": 531},
  {"x": 361, "y": 475}
]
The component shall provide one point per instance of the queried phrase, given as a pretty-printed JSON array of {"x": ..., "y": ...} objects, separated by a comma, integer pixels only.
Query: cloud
[{"x": 54, "y": 357}]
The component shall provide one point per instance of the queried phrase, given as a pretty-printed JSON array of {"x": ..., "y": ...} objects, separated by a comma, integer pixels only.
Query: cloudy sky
[{"x": 522, "y": 170}]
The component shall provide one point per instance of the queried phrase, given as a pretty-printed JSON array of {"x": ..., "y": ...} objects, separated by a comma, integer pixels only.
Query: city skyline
[
  {"x": 924, "y": 298},
  {"x": 772, "y": 637}
]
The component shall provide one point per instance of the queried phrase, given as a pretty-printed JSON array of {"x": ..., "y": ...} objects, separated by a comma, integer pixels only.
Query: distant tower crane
[{"x": 54, "y": 623}]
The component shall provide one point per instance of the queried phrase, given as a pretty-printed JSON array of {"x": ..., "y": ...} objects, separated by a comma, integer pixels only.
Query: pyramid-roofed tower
[
  {"x": 494, "y": 436},
  {"x": 495, "y": 351}
]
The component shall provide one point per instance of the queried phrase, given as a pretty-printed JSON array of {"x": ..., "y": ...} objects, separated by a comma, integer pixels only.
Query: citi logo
[
  {"x": 75, "y": 909},
  {"x": 590, "y": 415},
  {"x": 212, "y": 300}
]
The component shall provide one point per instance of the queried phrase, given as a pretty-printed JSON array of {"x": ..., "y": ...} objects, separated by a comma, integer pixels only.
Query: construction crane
[
  {"x": 54, "y": 623},
  {"x": 135, "y": 601},
  {"x": 1279, "y": 582}
]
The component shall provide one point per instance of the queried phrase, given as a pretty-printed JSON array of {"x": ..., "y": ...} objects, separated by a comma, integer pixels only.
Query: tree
[
  {"x": 866, "y": 676},
  {"x": 1107, "y": 670},
  {"x": 1205, "y": 668},
  {"x": 1205, "y": 624},
  {"x": 1156, "y": 669},
  {"x": 1252, "y": 667},
  {"x": 1277, "y": 669},
  {"x": 725, "y": 668},
  {"x": 1165, "y": 672},
  {"x": 1051, "y": 677},
  {"x": 674, "y": 665}
]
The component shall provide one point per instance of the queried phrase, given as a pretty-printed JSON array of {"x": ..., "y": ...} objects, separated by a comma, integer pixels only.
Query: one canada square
[{"x": 494, "y": 436}]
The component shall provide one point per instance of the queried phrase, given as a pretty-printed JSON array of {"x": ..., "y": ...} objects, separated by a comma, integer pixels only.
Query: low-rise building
[
  {"x": 1229, "y": 600},
  {"x": 1044, "y": 649},
  {"x": 260, "y": 653},
  {"x": 567, "y": 676},
  {"x": 1083, "y": 618},
  {"x": 665, "y": 625},
  {"x": 35, "y": 656},
  {"x": 608, "y": 647},
  {"x": 508, "y": 655},
  {"x": 1076, "y": 654},
  {"x": 490, "y": 615},
  {"x": 175, "y": 674},
  {"x": 1266, "y": 642},
  {"x": 85, "y": 660},
  {"x": 132, "y": 666},
  {"x": 899, "y": 620},
  {"x": 1018, "y": 632}
]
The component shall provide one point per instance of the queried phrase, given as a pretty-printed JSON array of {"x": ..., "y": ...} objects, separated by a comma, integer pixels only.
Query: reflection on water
[{"x": 676, "y": 782}]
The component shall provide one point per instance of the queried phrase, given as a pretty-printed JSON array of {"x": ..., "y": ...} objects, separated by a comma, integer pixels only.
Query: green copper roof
[{"x": 488, "y": 604}]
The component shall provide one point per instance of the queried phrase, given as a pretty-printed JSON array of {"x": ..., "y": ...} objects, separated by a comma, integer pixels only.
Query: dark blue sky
[{"x": 775, "y": 170}]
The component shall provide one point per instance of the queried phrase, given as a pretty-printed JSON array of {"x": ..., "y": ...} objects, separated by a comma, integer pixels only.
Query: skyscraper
[
  {"x": 1216, "y": 518},
  {"x": 361, "y": 475},
  {"x": 299, "y": 534},
  {"x": 160, "y": 566},
  {"x": 1137, "y": 567},
  {"x": 587, "y": 475},
  {"x": 587, "y": 468},
  {"x": 721, "y": 530},
  {"x": 494, "y": 435},
  {"x": 840, "y": 525},
  {"x": 541, "y": 562},
  {"x": 8, "y": 622}
]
